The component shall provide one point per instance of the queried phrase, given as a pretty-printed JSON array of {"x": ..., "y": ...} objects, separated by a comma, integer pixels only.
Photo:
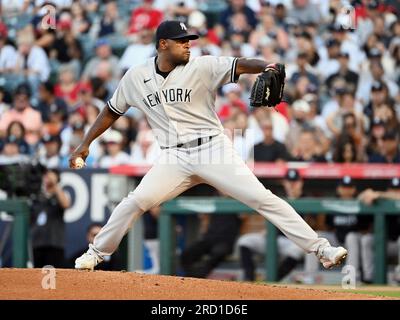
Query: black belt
[{"x": 191, "y": 144}]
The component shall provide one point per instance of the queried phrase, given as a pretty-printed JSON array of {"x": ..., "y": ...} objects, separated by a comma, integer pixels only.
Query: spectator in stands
[
  {"x": 100, "y": 89},
  {"x": 68, "y": 86},
  {"x": 10, "y": 151},
  {"x": 145, "y": 16},
  {"x": 344, "y": 72},
  {"x": 269, "y": 150},
  {"x": 206, "y": 44},
  {"x": 243, "y": 135},
  {"x": 47, "y": 222},
  {"x": 305, "y": 11},
  {"x": 351, "y": 128},
  {"x": 110, "y": 263},
  {"x": 234, "y": 103},
  {"x": 67, "y": 50},
  {"x": 395, "y": 51},
  {"x": 85, "y": 99},
  {"x": 255, "y": 243},
  {"x": 267, "y": 49},
  {"x": 302, "y": 87},
  {"x": 238, "y": 44},
  {"x": 279, "y": 124},
  {"x": 299, "y": 121},
  {"x": 329, "y": 64},
  {"x": 281, "y": 12},
  {"x": 267, "y": 31},
  {"x": 138, "y": 52},
  {"x": 334, "y": 95},
  {"x": 303, "y": 71},
  {"x": 375, "y": 137},
  {"x": 16, "y": 132},
  {"x": 8, "y": 54},
  {"x": 345, "y": 149},
  {"x": 145, "y": 149},
  {"x": 240, "y": 9},
  {"x": 14, "y": 8},
  {"x": 379, "y": 95},
  {"x": 91, "y": 111},
  {"x": 50, "y": 152},
  {"x": 80, "y": 20},
  {"x": 308, "y": 148},
  {"x": 24, "y": 113},
  {"x": 381, "y": 31},
  {"x": 127, "y": 128},
  {"x": 110, "y": 22},
  {"x": 375, "y": 74},
  {"x": 304, "y": 116},
  {"x": 389, "y": 150},
  {"x": 348, "y": 44},
  {"x": 32, "y": 62},
  {"x": 199, "y": 24},
  {"x": 347, "y": 118},
  {"x": 49, "y": 103},
  {"x": 45, "y": 36},
  {"x": 387, "y": 115},
  {"x": 114, "y": 154},
  {"x": 103, "y": 54},
  {"x": 91, "y": 6},
  {"x": 176, "y": 9},
  {"x": 316, "y": 120}
]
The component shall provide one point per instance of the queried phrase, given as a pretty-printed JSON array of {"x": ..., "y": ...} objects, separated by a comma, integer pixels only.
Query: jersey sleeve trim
[
  {"x": 110, "y": 106},
  {"x": 234, "y": 78}
]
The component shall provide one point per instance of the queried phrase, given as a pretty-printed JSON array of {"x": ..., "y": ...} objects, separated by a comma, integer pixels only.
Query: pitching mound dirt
[{"x": 77, "y": 285}]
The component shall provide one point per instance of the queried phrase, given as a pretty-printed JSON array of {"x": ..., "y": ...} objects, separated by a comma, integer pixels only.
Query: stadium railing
[{"x": 19, "y": 209}]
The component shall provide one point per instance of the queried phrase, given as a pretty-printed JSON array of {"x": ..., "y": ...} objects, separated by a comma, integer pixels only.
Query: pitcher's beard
[{"x": 182, "y": 61}]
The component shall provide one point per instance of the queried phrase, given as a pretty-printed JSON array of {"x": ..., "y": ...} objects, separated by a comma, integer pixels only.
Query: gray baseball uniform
[{"x": 180, "y": 109}]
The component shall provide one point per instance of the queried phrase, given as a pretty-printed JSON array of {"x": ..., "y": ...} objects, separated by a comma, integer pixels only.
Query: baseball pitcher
[{"x": 177, "y": 95}]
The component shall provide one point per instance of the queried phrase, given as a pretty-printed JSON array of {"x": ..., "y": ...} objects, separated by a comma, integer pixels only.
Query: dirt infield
[{"x": 98, "y": 285}]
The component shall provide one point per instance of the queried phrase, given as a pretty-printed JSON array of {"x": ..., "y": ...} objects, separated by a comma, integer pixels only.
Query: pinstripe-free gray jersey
[{"x": 181, "y": 107}]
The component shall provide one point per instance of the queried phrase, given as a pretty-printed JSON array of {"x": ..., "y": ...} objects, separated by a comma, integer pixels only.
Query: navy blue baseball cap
[{"x": 172, "y": 29}]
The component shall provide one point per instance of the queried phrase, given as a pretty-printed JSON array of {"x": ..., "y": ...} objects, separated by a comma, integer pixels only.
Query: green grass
[
  {"x": 394, "y": 294},
  {"x": 374, "y": 290}
]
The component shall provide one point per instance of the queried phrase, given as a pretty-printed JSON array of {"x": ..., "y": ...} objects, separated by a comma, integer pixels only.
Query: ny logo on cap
[{"x": 183, "y": 26}]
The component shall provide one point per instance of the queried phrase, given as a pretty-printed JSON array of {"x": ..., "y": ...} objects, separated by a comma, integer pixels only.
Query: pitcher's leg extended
[
  {"x": 162, "y": 182},
  {"x": 236, "y": 179}
]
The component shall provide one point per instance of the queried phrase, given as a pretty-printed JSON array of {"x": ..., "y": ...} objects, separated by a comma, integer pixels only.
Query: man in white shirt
[
  {"x": 115, "y": 156},
  {"x": 138, "y": 53},
  {"x": 7, "y": 54}
]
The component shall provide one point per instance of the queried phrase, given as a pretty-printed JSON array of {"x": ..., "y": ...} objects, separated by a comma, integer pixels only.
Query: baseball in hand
[{"x": 79, "y": 163}]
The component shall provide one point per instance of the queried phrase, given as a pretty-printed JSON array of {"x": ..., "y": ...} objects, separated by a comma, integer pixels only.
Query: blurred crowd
[{"x": 61, "y": 60}]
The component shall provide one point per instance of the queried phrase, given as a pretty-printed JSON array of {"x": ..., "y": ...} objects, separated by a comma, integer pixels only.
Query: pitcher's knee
[
  {"x": 261, "y": 198},
  {"x": 143, "y": 201}
]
